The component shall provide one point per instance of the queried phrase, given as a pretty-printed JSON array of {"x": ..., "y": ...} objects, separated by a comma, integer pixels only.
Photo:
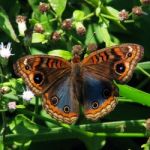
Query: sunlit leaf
[
  {"x": 58, "y": 6},
  {"x": 78, "y": 15},
  {"x": 61, "y": 53},
  {"x": 134, "y": 94},
  {"x": 35, "y": 51},
  {"x": 144, "y": 65},
  {"x": 38, "y": 38}
]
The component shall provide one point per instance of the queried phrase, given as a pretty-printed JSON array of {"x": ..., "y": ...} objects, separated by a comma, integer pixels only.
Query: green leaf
[
  {"x": 38, "y": 38},
  {"x": 35, "y": 51},
  {"x": 1, "y": 143},
  {"x": 134, "y": 94},
  {"x": 144, "y": 65},
  {"x": 90, "y": 36},
  {"x": 44, "y": 20},
  {"x": 78, "y": 15},
  {"x": 93, "y": 2},
  {"x": 112, "y": 11},
  {"x": 11, "y": 95},
  {"x": 22, "y": 125},
  {"x": 61, "y": 53},
  {"x": 102, "y": 34},
  {"x": 6, "y": 26},
  {"x": 34, "y": 3},
  {"x": 58, "y": 6}
]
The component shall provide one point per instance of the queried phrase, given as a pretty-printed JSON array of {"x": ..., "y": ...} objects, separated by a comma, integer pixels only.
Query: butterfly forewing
[
  {"x": 39, "y": 71},
  {"x": 121, "y": 61}
]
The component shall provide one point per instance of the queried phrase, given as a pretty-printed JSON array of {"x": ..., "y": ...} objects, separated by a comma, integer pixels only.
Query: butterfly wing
[
  {"x": 50, "y": 76},
  {"x": 120, "y": 61},
  {"x": 39, "y": 71},
  {"x": 61, "y": 102},
  {"x": 99, "y": 95},
  {"x": 100, "y": 68}
]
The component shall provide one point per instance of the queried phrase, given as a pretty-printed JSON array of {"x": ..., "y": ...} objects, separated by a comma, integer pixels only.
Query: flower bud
[
  {"x": 38, "y": 28},
  {"x": 43, "y": 7},
  {"x": 148, "y": 124},
  {"x": 76, "y": 49},
  {"x": 145, "y": 2},
  {"x": 67, "y": 24},
  {"x": 4, "y": 90},
  {"x": 123, "y": 15},
  {"x": 80, "y": 28},
  {"x": 138, "y": 11},
  {"x": 21, "y": 21},
  {"x": 56, "y": 36},
  {"x": 92, "y": 47},
  {"x": 11, "y": 106}
]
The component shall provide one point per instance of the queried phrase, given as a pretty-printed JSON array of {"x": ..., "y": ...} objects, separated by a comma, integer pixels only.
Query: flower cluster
[
  {"x": 27, "y": 95},
  {"x": 11, "y": 106},
  {"x": 5, "y": 50}
]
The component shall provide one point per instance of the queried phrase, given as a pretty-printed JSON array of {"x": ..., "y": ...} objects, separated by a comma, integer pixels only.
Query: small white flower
[
  {"x": 5, "y": 50},
  {"x": 12, "y": 106},
  {"x": 27, "y": 95},
  {"x": 21, "y": 21}
]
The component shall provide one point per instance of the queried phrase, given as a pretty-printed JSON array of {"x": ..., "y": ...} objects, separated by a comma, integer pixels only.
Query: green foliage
[{"x": 28, "y": 126}]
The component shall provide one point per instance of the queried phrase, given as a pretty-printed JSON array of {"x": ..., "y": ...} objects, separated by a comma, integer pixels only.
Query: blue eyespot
[
  {"x": 120, "y": 68},
  {"x": 38, "y": 78}
]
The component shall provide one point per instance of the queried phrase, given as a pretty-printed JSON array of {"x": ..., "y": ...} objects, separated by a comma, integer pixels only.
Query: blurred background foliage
[{"x": 54, "y": 27}]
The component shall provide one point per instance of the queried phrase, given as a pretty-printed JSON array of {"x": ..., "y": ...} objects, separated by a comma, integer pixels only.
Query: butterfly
[{"x": 65, "y": 85}]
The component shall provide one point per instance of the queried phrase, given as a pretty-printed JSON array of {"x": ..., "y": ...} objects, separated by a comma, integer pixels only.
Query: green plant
[{"x": 54, "y": 27}]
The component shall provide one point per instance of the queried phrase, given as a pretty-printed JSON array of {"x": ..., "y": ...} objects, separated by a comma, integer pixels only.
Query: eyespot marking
[
  {"x": 66, "y": 109},
  {"x": 38, "y": 78},
  {"x": 106, "y": 93},
  {"x": 120, "y": 68},
  {"x": 95, "y": 104},
  {"x": 54, "y": 100}
]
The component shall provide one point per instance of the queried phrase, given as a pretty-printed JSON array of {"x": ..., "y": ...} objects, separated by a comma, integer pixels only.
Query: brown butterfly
[{"x": 64, "y": 85}]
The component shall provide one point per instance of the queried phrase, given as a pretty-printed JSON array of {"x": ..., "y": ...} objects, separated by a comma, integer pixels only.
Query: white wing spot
[
  {"x": 130, "y": 49},
  {"x": 25, "y": 61}
]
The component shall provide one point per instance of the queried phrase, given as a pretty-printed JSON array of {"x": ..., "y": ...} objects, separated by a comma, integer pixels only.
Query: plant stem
[
  {"x": 144, "y": 72},
  {"x": 109, "y": 17},
  {"x": 36, "y": 107},
  {"x": 88, "y": 16}
]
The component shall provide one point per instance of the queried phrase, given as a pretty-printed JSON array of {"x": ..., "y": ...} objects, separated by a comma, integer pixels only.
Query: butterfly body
[{"x": 65, "y": 85}]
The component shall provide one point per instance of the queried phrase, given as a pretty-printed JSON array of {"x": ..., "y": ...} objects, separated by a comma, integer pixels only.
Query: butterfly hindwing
[
  {"x": 61, "y": 102},
  {"x": 99, "y": 96}
]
